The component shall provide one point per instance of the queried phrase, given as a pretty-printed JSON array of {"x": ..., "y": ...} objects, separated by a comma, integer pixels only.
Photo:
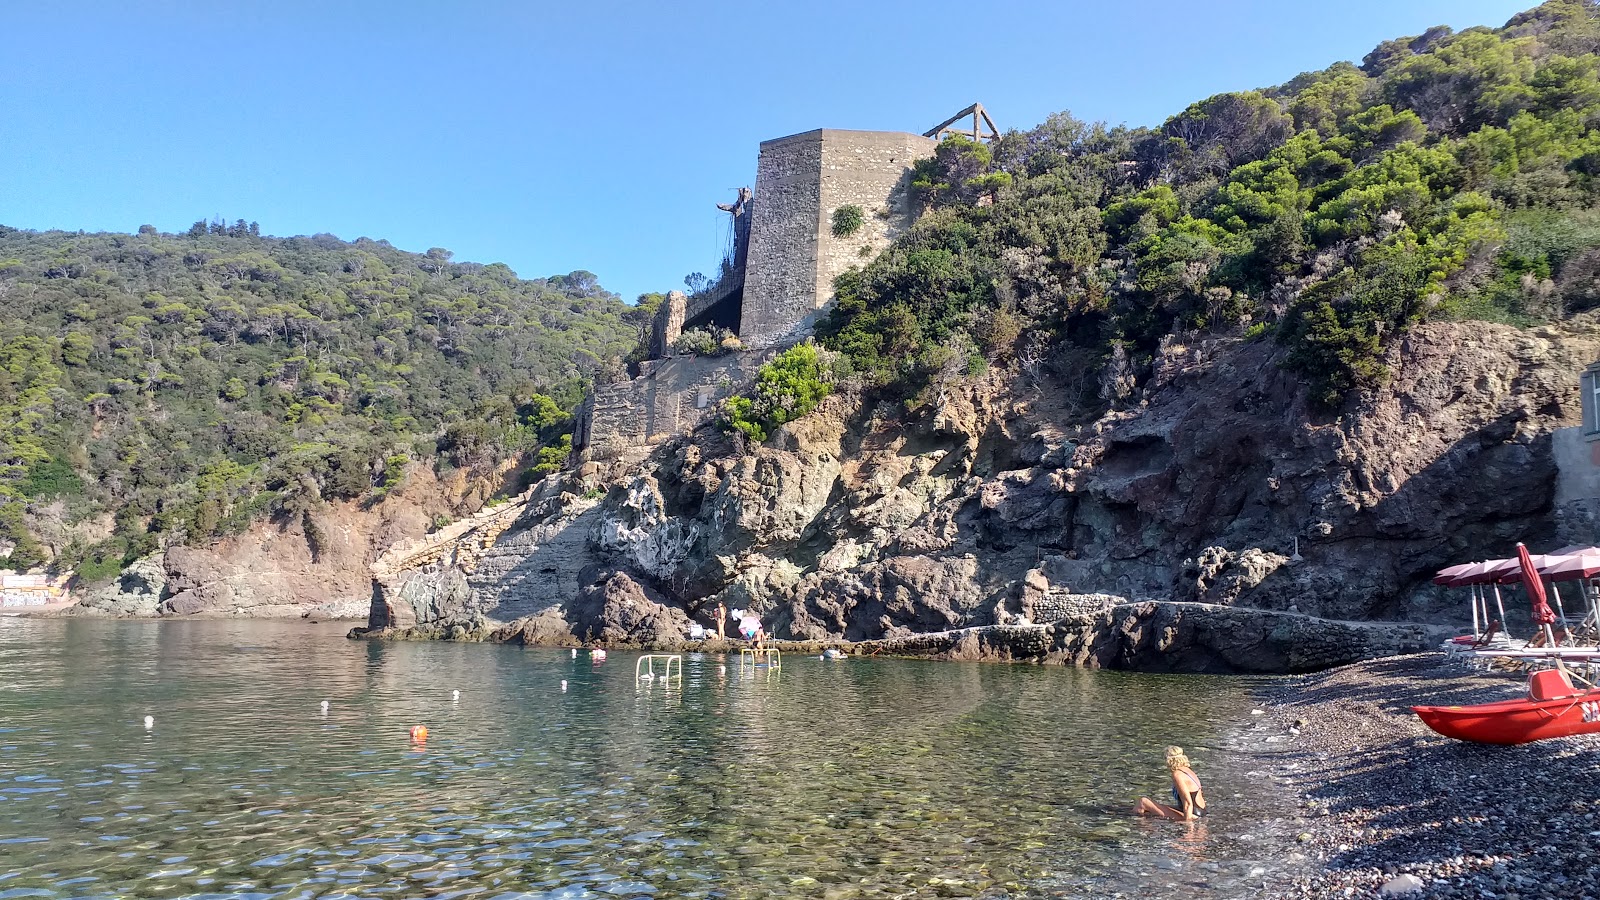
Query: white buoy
[
  {"x": 149, "y": 722},
  {"x": 455, "y": 696},
  {"x": 324, "y": 707},
  {"x": 574, "y": 652},
  {"x": 564, "y": 682}
]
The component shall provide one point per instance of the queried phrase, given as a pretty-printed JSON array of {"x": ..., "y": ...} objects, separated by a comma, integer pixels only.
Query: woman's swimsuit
[{"x": 1194, "y": 801}]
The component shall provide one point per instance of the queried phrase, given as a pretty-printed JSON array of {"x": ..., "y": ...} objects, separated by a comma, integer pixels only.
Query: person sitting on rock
[{"x": 1189, "y": 798}]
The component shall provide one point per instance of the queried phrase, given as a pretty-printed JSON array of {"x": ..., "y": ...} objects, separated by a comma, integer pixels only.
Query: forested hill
[
  {"x": 160, "y": 387},
  {"x": 1448, "y": 175}
]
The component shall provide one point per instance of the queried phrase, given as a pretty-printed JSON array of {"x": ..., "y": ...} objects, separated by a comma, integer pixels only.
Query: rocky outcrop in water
[
  {"x": 620, "y": 612},
  {"x": 999, "y": 503}
]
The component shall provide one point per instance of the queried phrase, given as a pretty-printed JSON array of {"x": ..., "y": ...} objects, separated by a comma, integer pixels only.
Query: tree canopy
[{"x": 158, "y": 387}]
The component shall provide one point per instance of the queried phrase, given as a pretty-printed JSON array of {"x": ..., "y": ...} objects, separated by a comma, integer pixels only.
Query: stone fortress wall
[
  {"x": 794, "y": 254},
  {"x": 670, "y": 396},
  {"x": 783, "y": 287}
]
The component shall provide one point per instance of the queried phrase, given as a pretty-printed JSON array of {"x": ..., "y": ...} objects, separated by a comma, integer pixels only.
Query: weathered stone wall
[
  {"x": 780, "y": 281},
  {"x": 794, "y": 255},
  {"x": 1577, "y": 499},
  {"x": 670, "y": 397},
  {"x": 872, "y": 170}
]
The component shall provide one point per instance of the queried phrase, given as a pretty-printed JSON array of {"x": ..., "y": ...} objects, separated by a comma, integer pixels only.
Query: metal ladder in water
[
  {"x": 645, "y": 668},
  {"x": 768, "y": 658}
]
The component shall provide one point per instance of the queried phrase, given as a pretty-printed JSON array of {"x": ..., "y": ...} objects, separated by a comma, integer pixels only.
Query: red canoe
[{"x": 1553, "y": 708}]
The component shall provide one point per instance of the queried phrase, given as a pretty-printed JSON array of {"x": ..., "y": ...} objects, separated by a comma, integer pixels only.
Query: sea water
[{"x": 860, "y": 778}]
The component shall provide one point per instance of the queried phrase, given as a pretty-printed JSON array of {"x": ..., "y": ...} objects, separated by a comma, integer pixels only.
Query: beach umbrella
[
  {"x": 1447, "y": 577},
  {"x": 1572, "y": 567},
  {"x": 1476, "y": 573},
  {"x": 1509, "y": 571},
  {"x": 1574, "y": 550},
  {"x": 1542, "y": 613}
]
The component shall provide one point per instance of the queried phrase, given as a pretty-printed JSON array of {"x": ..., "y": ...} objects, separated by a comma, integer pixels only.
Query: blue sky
[{"x": 578, "y": 135}]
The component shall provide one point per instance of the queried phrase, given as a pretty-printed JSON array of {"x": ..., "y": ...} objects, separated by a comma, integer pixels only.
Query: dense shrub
[
  {"x": 847, "y": 220},
  {"x": 786, "y": 388}
]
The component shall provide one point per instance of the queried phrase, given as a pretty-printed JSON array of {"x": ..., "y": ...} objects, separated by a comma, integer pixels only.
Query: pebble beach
[{"x": 1389, "y": 808}]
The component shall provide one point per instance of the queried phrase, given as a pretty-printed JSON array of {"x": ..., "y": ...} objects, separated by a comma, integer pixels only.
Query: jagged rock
[
  {"x": 637, "y": 528},
  {"x": 197, "y": 581},
  {"x": 1165, "y": 636},
  {"x": 136, "y": 592},
  {"x": 1219, "y": 575},
  {"x": 618, "y": 611},
  {"x": 1201, "y": 637},
  {"x": 420, "y": 598},
  {"x": 895, "y": 596},
  {"x": 549, "y": 628}
]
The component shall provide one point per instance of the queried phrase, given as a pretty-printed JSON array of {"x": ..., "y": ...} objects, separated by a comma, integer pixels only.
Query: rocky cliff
[
  {"x": 1215, "y": 483},
  {"x": 273, "y": 569}
]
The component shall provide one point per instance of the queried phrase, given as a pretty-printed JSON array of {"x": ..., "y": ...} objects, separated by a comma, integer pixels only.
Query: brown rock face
[
  {"x": 271, "y": 569},
  {"x": 417, "y": 598}
]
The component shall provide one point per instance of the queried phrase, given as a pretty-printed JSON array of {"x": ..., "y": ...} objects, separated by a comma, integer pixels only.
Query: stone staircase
[{"x": 460, "y": 544}]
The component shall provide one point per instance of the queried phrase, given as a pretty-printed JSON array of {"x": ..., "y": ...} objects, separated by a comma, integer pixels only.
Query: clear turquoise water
[{"x": 864, "y": 778}]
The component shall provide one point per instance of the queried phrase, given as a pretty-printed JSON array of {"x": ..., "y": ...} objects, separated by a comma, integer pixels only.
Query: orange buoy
[{"x": 419, "y": 733}]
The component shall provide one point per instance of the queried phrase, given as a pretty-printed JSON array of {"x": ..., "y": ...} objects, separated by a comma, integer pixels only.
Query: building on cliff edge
[{"x": 824, "y": 201}]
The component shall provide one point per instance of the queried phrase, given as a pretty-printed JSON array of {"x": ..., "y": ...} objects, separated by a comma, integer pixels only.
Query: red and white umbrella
[
  {"x": 1447, "y": 575},
  {"x": 1572, "y": 567},
  {"x": 1476, "y": 573},
  {"x": 1510, "y": 571}
]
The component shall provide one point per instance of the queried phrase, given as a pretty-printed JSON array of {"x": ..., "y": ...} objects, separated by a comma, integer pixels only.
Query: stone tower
[{"x": 795, "y": 254}]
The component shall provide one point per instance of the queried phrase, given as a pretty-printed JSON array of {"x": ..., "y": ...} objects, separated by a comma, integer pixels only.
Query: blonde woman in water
[{"x": 1189, "y": 799}]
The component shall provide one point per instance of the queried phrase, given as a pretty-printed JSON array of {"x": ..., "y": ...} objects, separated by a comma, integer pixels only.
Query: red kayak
[{"x": 1553, "y": 708}]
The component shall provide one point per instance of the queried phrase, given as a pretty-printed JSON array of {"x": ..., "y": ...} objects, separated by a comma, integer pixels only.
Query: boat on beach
[{"x": 1553, "y": 708}]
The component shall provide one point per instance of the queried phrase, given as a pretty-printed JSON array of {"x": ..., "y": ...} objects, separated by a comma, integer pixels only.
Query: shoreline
[
  {"x": 75, "y": 612},
  {"x": 1142, "y": 636},
  {"x": 1381, "y": 796}
]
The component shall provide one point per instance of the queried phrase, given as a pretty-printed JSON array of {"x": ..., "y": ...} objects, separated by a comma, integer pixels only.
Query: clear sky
[{"x": 576, "y": 135}]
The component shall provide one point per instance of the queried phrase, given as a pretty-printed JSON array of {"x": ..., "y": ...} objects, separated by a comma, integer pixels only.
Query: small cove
[{"x": 863, "y": 778}]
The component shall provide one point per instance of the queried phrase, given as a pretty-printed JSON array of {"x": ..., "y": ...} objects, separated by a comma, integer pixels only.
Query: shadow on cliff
[{"x": 1484, "y": 493}]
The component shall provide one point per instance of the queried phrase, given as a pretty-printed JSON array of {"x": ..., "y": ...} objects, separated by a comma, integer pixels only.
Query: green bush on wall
[
  {"x": 787, "y": 388},
  {"x": 847, "y": 220}
]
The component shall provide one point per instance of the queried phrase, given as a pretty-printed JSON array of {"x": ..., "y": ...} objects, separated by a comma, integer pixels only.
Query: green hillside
[
  {"x": 161, "y": 387},
  {"x": 1448, "y": 175}
]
